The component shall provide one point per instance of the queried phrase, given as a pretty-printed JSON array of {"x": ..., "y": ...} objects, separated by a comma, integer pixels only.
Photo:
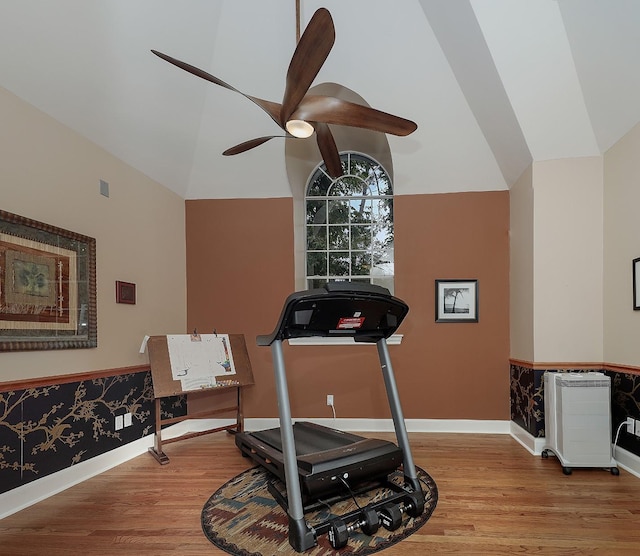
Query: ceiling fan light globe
[{"x": 299, "y": 128}]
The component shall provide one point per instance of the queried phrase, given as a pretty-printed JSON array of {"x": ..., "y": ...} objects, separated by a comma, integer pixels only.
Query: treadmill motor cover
[{"x": 364, "y": 312}]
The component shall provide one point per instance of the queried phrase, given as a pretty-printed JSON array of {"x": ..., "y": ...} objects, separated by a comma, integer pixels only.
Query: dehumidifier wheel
[
  {"x": 566, "y": 470},
  {"x": 615, "y": 471}
]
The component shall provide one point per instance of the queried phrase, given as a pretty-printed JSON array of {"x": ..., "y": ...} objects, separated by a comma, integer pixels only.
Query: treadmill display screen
[{"x": 350, "y": 322}]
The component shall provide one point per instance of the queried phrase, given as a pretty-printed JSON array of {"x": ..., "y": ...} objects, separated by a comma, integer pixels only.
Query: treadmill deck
[{"x": 325, "y": 456}]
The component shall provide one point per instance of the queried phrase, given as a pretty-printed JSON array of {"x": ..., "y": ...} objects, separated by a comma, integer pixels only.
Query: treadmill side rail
[
  {"x": 301, "y": 537},
  {"x": 399, "y": 425}
]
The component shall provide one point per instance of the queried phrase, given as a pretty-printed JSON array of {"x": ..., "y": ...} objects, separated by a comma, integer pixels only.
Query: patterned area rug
[{"x": 242, "y": 518}]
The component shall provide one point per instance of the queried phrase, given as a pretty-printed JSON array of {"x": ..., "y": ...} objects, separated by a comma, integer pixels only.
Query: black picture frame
[
  {"x": 635, "y": 265},
  {"x": 47, "y": 286},
  {"x": 456, "y": 300}
]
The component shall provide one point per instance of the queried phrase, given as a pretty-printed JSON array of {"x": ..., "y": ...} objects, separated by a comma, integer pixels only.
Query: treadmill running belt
[{"x": 309, "y": 438}]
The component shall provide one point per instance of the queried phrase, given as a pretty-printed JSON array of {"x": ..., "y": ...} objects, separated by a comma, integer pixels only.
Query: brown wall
[
  {"x": 240, "y": 270},
  {"x": 455, "y": 371}
]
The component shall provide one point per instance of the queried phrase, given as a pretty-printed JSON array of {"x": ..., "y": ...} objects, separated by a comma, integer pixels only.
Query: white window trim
[{"x": 394, "y": 339}]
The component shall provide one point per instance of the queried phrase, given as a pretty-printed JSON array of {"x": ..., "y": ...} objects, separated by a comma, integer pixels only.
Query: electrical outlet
[
  {"x": 630, "y": 425},
  {"x": 637, "y": 431},
  {"x": 119, "y": 422},
  {"x": 127, "y": 420},
  {"x": 329, "y": 399}
]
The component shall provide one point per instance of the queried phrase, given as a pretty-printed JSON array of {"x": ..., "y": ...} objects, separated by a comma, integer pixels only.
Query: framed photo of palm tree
[{"x": 456, "y": 300}]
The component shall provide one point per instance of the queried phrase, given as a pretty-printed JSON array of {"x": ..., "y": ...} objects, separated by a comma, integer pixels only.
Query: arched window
[{"x": 349, "y": 224}]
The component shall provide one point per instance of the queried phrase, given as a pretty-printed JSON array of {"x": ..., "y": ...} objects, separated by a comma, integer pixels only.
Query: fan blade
[
  {"x": 328, "y": 150},
  {"x": 311, "y": 52},
  {"x": 272, "y": 108},
  {"x": 251, "y": 144},
  {"x": 331, "y": 110}
]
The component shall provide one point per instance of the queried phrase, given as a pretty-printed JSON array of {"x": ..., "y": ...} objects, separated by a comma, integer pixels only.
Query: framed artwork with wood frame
[
  {"x": 456, "y": 301},
  {"x": 125, "y": 292},
  {"x": 47, "y": 286}
]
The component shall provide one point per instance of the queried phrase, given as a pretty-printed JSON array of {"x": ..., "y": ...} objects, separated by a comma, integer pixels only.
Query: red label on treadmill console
[{"x": 350, "y": 322}]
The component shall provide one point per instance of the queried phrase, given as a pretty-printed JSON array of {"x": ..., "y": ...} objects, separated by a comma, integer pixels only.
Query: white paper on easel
[{"x": 197, "y": 360}]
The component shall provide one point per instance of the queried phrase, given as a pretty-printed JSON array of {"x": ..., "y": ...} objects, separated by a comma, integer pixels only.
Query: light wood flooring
[{"x": 494, "y": 498}]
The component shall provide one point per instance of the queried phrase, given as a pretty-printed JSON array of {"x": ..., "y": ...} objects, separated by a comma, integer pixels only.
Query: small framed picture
[
  {"x": 636, "y": 284},
  {"x": 125, "y": 292},
  {"x": 456, "y": 301}
]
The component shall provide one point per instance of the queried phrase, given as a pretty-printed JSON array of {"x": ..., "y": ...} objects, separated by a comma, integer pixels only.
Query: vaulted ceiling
[{"x": 492, "y": 84}]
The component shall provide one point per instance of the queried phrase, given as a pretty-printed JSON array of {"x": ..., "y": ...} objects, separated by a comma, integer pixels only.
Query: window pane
[
  {"x": 361, "y": 237},
  {"x": 383, "y": 209},
  {"x": 383, "y": 224},
  {"x": 381, "y": 269},
  {"x": 383, "y": 255},
  {"x": 338, "y": 212},
  {"x": 316, "y": 283},
  {"x": 316, "y": 212},
  {"x": 316, "y": 237},
  {"x": 360, "y": 263},
  {"x": 360, "y": 210},
  {"x": 382, "y": 238},
  {"x": 348, "y": 186},
  {"x": 317, "y": 264},
  {"x": 383, "y": 262},
  {"x": 339, "y": 263},
  {"x": 360, "y": 166},
  {"x": 338, "y": 237},
  {"x": 319, "y": 186},
  {"x": 379, "y": 183}
]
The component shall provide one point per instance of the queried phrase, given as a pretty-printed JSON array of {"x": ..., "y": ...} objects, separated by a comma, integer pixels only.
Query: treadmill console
[{"x": 364, "y": 312}]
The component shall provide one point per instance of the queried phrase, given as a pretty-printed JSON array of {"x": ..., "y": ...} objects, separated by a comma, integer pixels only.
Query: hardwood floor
[{"x": 494, "y": 498}]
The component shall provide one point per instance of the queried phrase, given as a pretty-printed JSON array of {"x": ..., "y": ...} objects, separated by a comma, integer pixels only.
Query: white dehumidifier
[{"x": 577, "y": 417}]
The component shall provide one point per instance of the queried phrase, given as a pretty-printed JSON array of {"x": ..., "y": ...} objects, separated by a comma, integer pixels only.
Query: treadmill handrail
[{"x": 311, "y": 313}]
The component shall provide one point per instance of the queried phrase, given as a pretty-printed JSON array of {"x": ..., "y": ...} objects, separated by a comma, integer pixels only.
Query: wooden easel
[{"x": 164, "y": 386}]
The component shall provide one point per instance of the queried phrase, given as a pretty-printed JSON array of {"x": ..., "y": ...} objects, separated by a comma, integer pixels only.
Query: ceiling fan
[{"x": 301, "y": 114}]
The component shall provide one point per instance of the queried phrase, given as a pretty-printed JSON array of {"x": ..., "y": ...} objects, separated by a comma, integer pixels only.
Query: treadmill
[{"x": 318, "y": 464}]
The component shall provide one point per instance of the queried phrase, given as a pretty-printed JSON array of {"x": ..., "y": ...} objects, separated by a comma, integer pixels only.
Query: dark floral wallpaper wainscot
[
  {"x": 527, "y": 401},
  {"x": 48, "y": 428}
]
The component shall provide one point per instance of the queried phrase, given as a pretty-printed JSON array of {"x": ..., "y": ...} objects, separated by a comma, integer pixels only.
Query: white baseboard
[
  {"x": 386, "y": 425},
  {"x": 627, "y": 461},
  {"x": 526, "y": 439}
]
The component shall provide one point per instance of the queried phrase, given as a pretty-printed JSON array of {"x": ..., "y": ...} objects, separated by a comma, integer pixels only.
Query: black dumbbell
[
  {"x": 391, "y": 514},
  {"x": 339, "y": 531}
]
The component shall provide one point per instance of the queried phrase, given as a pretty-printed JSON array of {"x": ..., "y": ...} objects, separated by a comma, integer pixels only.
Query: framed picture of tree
[{"x": 456, "y": 301}]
